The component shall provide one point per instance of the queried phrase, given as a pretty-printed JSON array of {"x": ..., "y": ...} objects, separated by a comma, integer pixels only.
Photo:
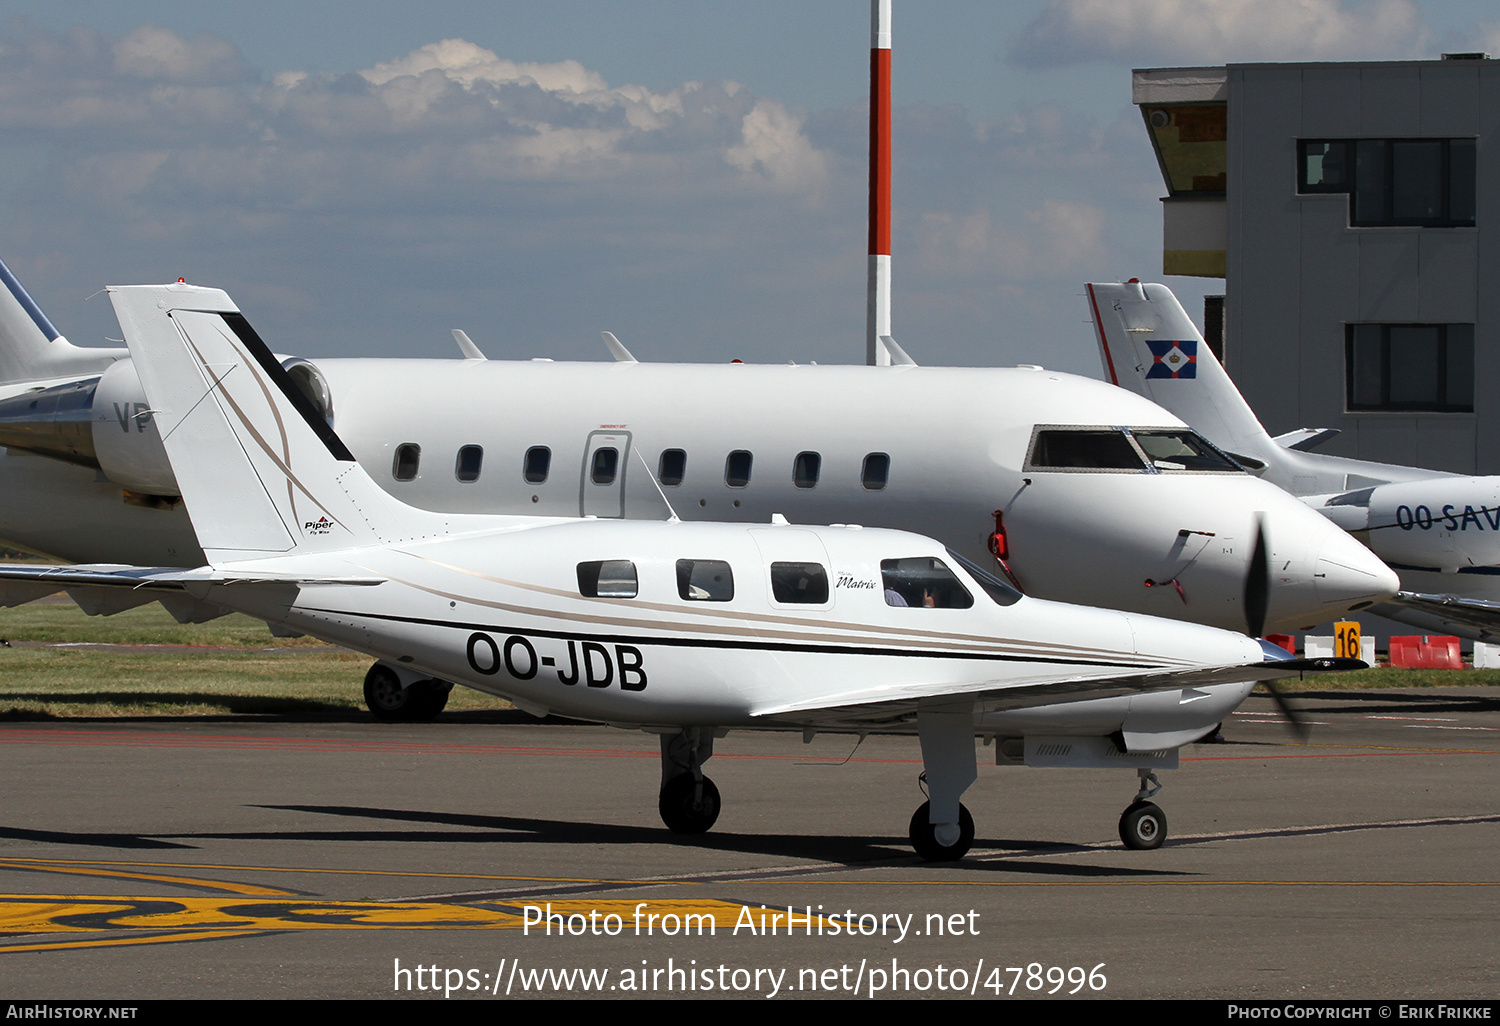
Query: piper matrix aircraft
[
  {"x": 1440, "y": 531},
  {"x": 685, "y": 630}
]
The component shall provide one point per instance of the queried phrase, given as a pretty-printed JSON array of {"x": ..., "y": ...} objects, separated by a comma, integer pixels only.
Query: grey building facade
[{"x": 1345, "y": 207}]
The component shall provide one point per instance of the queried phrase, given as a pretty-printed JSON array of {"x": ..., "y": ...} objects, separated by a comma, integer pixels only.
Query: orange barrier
[{"x": 1426, "y": 652}]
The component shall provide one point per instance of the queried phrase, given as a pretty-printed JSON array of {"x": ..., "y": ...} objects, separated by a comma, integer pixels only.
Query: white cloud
[
  {"x": 774, "y": 149},
  {"x": 1192, "y": 32},
  {"x": 154, "y": 53},
  {"x": 1059, "y": 237}
]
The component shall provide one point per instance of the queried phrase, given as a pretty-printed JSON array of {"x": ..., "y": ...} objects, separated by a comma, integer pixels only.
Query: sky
[{"x": 362, "y": 178}]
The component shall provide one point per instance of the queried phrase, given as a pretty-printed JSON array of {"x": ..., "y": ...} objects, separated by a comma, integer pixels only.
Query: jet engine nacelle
[
  {"x": 1445, "y": 523},
  {"x": 126, "y": 442},
  {"x": 106, "y": 423}
]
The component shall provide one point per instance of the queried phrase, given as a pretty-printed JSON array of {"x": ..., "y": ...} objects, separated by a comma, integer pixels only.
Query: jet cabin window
[
  {"x": 877, "y": 470},
  {"x": 606, "y": 463},
  {"x": 801, "y": 583},
  {"x": 922, "y": 581},
  {"x": 607, "y": 578},
  {"x": 537, "y": 463},
  {"x": 408, "y": 460},
  {"x": 705, "y": 580},
  {"x": 805, "y": 469},
  {"x": 470, "y": 458},
  {"x": 672, "y": 468},
  {"x": 737, "y": 469}
]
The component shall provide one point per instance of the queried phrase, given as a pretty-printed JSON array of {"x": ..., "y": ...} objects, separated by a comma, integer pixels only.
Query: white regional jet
[
  {"x": 685, "y": 630},
  {"x": 1440, "y": 531}
]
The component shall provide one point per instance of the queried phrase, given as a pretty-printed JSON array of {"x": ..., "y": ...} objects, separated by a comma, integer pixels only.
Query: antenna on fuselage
[
  {"x": 466, "y": 346},
  {"x": 674, "y": 518},
  {"x": 617, "y": 348}
]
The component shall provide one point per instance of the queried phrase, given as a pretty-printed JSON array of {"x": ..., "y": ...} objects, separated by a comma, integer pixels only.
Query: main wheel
[
  {"x": 924, "y": 840},
  {"x": 1143, "y": 826},
  {"x": 389, "y": 701},
  {"x": 686, "y": 808}
]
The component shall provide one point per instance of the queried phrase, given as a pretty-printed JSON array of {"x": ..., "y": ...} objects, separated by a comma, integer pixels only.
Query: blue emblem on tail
[{"x": 1173, "y": 359}]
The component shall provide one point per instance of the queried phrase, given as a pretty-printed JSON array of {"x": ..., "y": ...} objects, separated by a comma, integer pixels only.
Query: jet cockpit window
[
  {"x": 923, "y": 581},
  {"x": 470, "y": 459},
  {"x": 672, "y": 468},
  {"x": 877, "y": 470},
  {"x": 1004, "y": 594},
  {"x": 408, "y": 460},
  {"x": 537, "y": 463},
  {"x": 802, "y": 583},
  {"x": 1088, "y": 449},
  {"x": 705, "y": 580},
  {"x": 1169, "y": 449},
  {"x": 607, "y": 578},
  {"x": 805, "y": 469},
  {"x": 606, "y": 464},
  {"x": 737, "y": 468}
]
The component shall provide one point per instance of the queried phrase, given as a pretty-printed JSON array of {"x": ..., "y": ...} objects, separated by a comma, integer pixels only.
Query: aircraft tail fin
[
  {"x": 262, "y": 473},
  {"x": 31, "y": 349},
  {"x": 1150, "y": 346}
]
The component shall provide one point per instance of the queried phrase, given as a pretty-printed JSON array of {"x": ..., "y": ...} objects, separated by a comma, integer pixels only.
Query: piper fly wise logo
[{"x": 322, "y": 525}]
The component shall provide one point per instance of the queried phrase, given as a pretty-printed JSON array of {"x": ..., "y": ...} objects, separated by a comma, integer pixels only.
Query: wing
[
  {"x": 897, "y": 704},
  {"x": 1475, "y": 614}
]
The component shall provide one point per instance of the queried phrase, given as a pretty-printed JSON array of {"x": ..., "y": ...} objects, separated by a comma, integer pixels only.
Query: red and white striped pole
[{"x": 878, "y": 302}]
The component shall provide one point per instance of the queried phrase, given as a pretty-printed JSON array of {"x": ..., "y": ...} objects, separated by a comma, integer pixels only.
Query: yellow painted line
[
  {"x": 40, "y": 866},
  {"x": 31, "y": 913},
  {"x": 115, "y": 942},
  {"x": 28, "y": 863}
]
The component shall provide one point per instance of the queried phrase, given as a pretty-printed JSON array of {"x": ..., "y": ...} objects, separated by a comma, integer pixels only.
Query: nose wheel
[
  {"x": 1143, "y": 826},
  {"x": 941, "y": 842}
]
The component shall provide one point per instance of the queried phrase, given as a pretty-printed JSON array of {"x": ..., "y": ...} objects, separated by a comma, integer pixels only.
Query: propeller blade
[
  {"x": 1257, "y": 582},
  {"x": 1293, "y": 717}
]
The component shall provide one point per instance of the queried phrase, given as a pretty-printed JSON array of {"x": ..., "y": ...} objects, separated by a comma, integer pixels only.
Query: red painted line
[{"x": 1114, "y": 378}]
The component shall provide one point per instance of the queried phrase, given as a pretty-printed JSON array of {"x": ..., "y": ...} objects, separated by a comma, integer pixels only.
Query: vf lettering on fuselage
[
  {"x": 591, "y": 663},
  {"x": 1408, "y": 518}
]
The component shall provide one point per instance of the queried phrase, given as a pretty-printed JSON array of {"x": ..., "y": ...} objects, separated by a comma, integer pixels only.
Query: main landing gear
[
  {"x": 689, "y": 802},
  {"x": 1143, "y": 826},
  {"x": 389, "y": 700}
]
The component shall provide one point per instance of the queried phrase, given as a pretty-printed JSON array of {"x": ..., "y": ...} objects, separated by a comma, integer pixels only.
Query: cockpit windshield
[{"x": 1134, "y": 450}]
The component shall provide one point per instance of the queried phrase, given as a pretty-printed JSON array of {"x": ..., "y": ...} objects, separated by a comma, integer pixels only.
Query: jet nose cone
[{"x": 1328, "y": 572}]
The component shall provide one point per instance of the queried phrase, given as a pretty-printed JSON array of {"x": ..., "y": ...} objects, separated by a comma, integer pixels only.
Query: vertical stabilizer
[
  {"x": 31, "y": 349},
  {"x": 1150, "y": 346},
  {"x": 261, "y": 472}
]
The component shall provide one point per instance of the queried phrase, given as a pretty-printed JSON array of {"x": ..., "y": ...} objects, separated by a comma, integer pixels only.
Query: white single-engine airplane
[
  {"x": 685, "y": 630},
  {"x": 1439, "y": 531}
]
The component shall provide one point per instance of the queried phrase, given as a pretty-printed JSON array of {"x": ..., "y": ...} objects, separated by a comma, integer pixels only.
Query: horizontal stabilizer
[
  {"x": 31, "y": 349},
  {"x": 1477, "y": 614},
  {"x": 1306, "y": 439}
]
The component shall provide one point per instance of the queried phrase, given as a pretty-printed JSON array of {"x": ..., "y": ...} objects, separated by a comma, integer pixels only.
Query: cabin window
[
  {"x": 408, "y": 460},
  {"x": 923, "y": 581},
  {"x": 605, "y": 465},
  {"x": 672, "y": 467},
  {"x": 470, "y": 458},
  {"x": 1098, "y": 449},
  {"x": 705, "y": 580},
  {"x": 737, "y": 469},
  {"x": 876, "y": 471},
  {"x": 802, "y": 583},
  {"x": 607, "y": 578},
  {"x": 805, "y": 469},
  {"x": 537, "y": 463}
]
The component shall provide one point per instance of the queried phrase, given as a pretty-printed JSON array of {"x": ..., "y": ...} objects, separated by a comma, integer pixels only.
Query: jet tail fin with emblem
[
  {"x": 1150, "y": 346},
  {"x": 261, "y": 471}
]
